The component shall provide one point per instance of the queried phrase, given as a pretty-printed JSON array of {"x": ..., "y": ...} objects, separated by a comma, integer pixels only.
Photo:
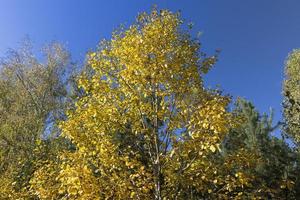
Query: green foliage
[
  {"x": 291, "y": 92},
  {"x": 33, "y": 94},
  {"x": 274, "y": 157},
  {"x": 291, "y": 108}
]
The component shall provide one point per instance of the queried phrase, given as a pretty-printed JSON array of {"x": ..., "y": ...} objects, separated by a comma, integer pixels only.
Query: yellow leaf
[
  {"x": 212, "y": 148},
  {"x": 132, "y": 194}
]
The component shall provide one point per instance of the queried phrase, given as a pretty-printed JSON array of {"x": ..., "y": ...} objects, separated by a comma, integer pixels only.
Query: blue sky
[{"x": 255, "y": 36}]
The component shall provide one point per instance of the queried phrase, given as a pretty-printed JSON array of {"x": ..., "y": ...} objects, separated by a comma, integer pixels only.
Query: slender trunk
[{"x": 157, "y": 163}]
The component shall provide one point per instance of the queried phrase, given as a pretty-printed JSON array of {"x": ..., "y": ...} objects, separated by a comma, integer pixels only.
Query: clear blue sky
[{"x": 255, "y": 36}]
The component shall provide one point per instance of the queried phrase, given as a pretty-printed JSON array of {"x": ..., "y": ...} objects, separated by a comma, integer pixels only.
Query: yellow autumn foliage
[{"x": 146, "y": 127}]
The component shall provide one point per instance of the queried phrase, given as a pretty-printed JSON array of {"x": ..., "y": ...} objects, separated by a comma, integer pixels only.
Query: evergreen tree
[{"x": 275, "y": 158}]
